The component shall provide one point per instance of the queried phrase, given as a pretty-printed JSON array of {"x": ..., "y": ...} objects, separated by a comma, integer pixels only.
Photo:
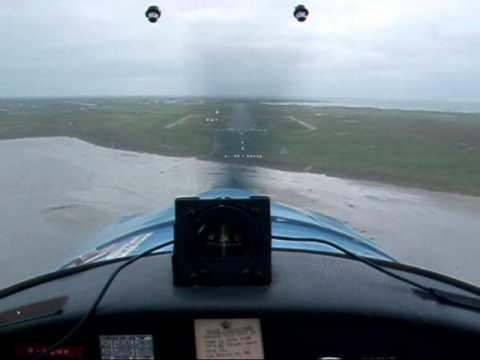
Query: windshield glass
[{"x": 365, "y": 111}]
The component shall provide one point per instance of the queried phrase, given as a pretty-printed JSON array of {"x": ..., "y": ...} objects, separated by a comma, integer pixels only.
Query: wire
[
  {"x": 371, "y": 264},
  {"x": 435, "y": 293},
  {"x": 99, "y": 298}
]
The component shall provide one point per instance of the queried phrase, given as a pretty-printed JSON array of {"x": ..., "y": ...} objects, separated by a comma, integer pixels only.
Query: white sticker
[{"x": 228, "y": 339}]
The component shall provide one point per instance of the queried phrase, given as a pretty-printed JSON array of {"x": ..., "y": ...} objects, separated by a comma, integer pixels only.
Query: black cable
[
  {"x": 99, "y": 298},
  {"x": 433, "y": 292},
  {"x": 347, "y": 252}
]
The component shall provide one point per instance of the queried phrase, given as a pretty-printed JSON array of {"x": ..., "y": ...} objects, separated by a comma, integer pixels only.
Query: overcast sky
[{"x": 406, "y": 49}]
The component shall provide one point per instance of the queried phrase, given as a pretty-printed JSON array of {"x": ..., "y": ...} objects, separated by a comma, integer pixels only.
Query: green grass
[
  {"x": 120, "y": 124},
  {"x": 434, "y": 150},
  {"x": 439, "y": 151}
]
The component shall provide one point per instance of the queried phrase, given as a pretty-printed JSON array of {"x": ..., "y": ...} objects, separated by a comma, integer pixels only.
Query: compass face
[{"x": 221, "y": 240}]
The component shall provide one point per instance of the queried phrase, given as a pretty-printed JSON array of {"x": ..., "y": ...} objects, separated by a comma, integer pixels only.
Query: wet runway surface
[{"x": 58, "y": 192}]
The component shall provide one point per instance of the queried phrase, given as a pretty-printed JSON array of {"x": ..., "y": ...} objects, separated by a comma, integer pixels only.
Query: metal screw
[{"x": 226, "y": 324}]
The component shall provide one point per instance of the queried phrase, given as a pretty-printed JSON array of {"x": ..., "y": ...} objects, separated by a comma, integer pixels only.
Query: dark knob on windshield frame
[
  {"x": 300, "y": 13},
  {"x": 153, "y": 13}
]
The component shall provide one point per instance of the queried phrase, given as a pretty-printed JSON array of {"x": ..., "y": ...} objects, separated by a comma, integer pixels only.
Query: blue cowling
[{"x": 135, "y": 234}]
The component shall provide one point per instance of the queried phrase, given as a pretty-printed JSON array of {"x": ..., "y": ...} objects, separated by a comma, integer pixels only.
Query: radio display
[{"x": 116, "y": 347}]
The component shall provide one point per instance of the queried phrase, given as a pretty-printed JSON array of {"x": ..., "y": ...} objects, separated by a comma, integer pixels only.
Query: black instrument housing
[{"x": 250, "y": 215}]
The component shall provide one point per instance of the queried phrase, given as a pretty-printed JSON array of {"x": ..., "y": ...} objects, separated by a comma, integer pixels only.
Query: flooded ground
[{"x": 58, "y": 192}]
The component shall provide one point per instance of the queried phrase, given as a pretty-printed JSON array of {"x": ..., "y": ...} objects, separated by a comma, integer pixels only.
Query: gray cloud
[{"x": 348, "y": 48}]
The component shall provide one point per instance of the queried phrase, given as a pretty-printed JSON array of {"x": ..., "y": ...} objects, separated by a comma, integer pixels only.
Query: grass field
[
  {"x": 434, "y": 150},
  {"x": 439, "y": 151},
  {"x": 138, "y": 124}
]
